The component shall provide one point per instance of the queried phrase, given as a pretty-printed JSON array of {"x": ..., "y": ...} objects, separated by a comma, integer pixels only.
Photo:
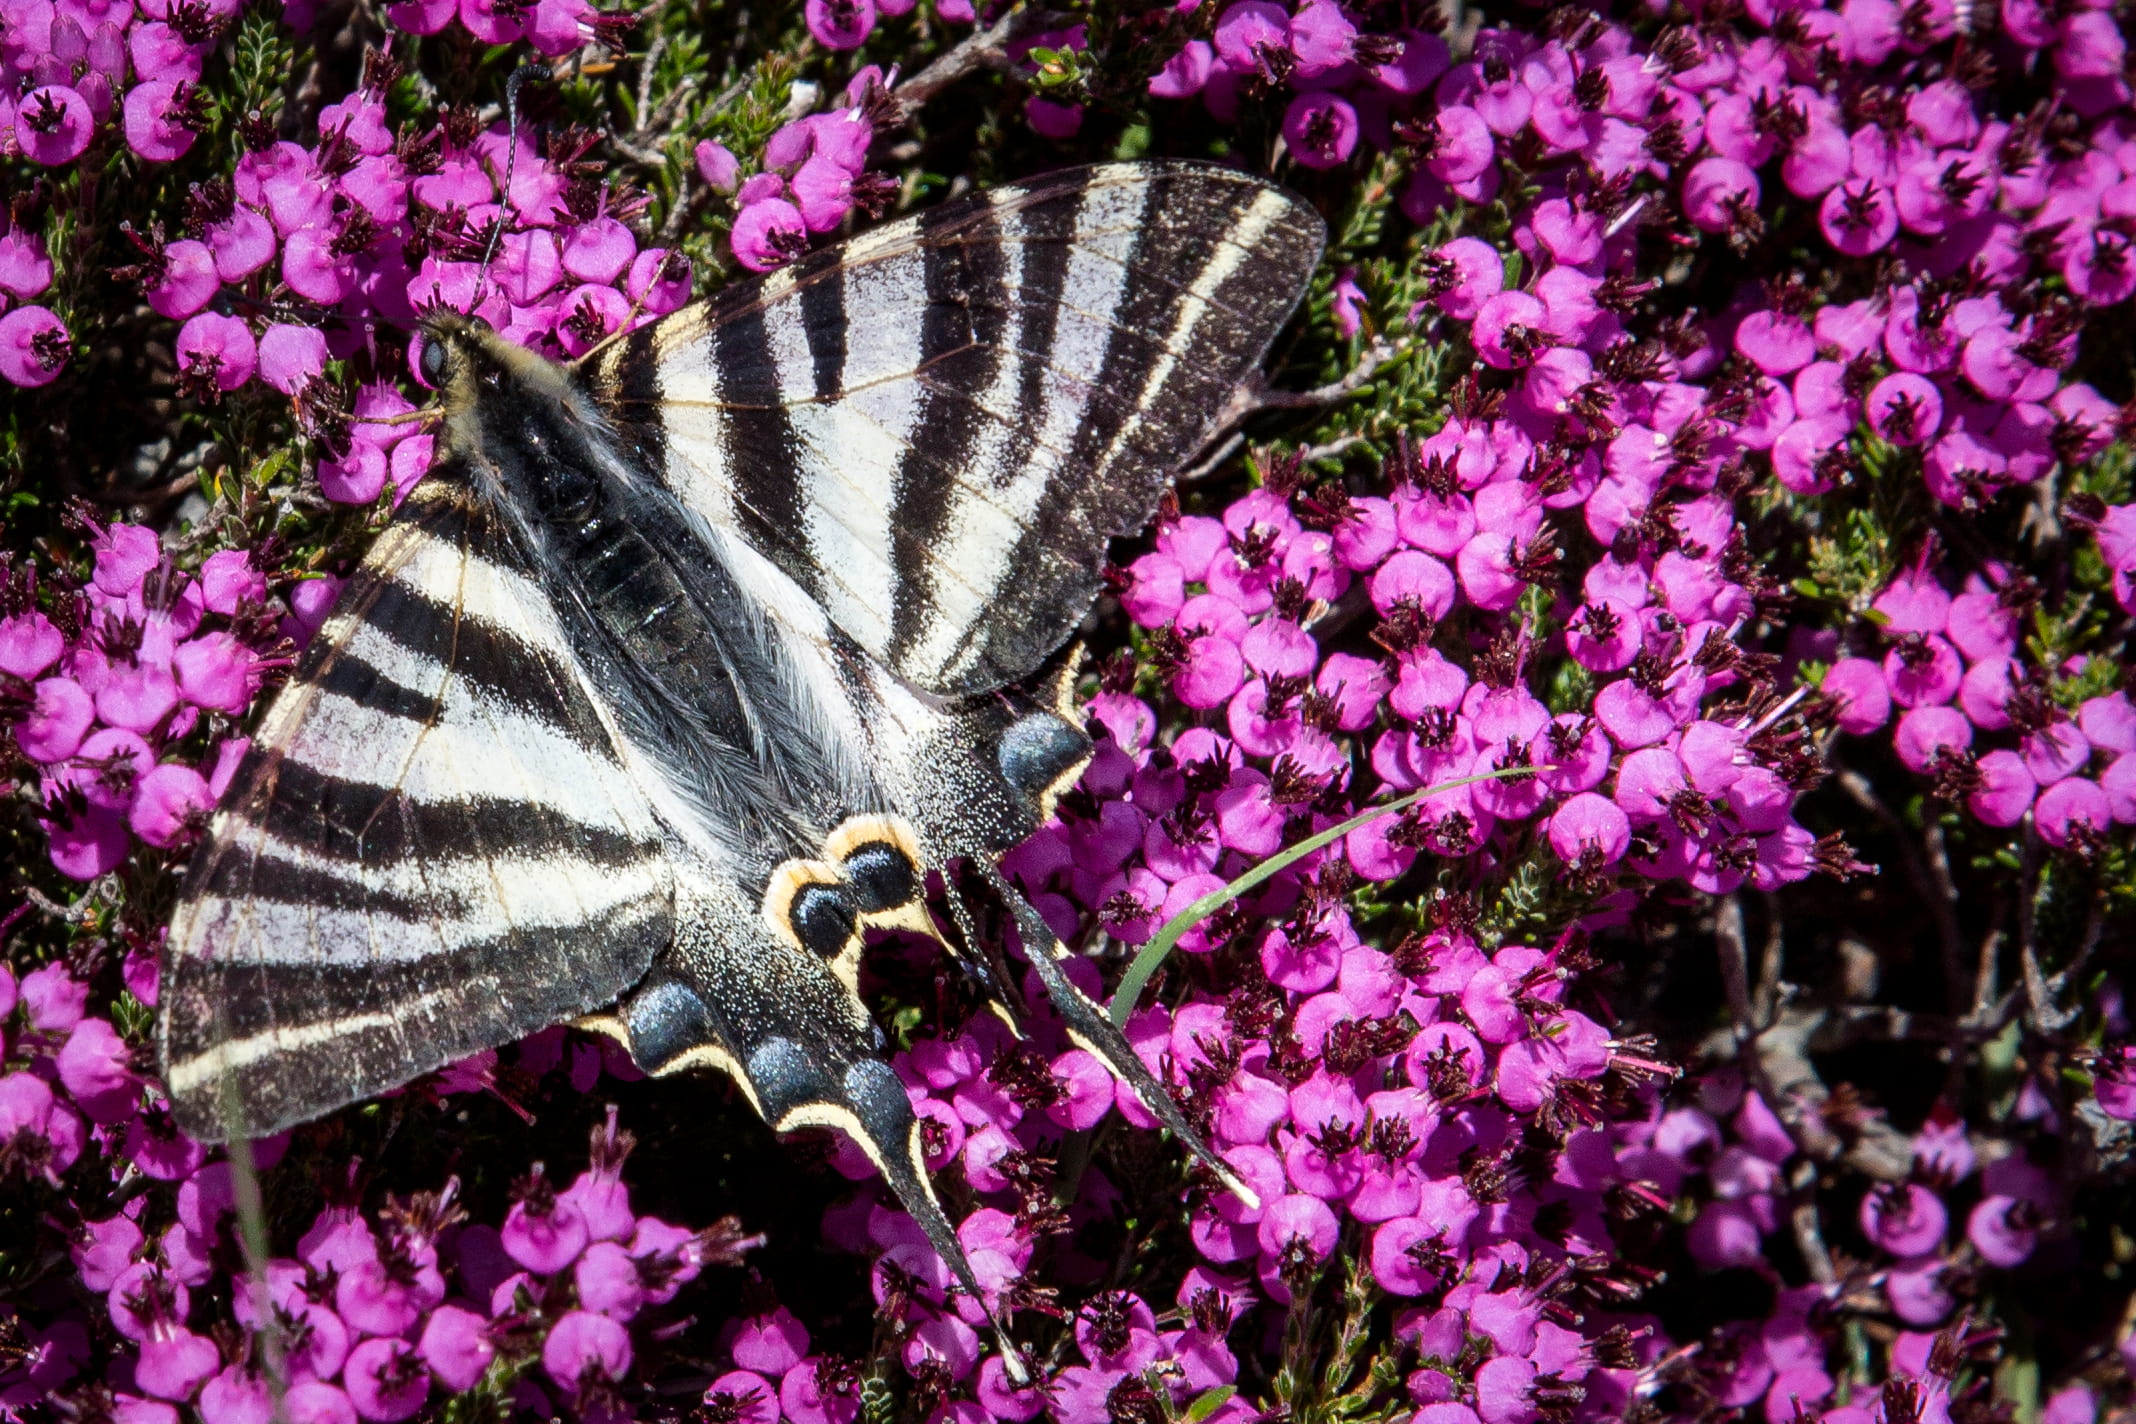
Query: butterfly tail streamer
[
  {"x": 1090, "y": 1029},
  {"x": 917, "y": 1195}
]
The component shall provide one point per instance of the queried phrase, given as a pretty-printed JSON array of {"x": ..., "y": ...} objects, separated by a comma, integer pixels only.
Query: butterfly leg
[{"x": 1091, "y": 1030}]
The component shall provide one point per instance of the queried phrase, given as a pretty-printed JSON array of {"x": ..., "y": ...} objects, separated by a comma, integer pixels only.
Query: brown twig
[{"x": 982, "y": 49}]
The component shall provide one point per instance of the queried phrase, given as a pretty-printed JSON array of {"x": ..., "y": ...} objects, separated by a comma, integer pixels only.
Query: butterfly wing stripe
[
  {"x": 363, "y": 822},
  {"x": 846, "y": 485},
  {"x": 1153, "y": 338},
  {"x": 1201, "y": 294},
  {"x": 420, "y": 909},
  {"x": 279, "y": 1031}
]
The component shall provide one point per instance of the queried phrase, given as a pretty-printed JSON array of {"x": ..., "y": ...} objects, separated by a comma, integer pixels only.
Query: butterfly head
[{"x": 492, "y": 387}]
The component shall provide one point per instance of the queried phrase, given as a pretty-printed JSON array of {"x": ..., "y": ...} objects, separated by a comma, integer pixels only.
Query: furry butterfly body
[{"x": 687, "y": 664}]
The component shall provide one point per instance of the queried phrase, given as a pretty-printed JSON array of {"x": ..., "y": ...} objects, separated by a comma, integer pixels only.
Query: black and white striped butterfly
[{"x": 687, "y": 663}]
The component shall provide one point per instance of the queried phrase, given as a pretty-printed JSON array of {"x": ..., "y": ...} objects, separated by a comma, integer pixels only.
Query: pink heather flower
[
  {"x": 1923, "y": 732},
  {"x": 659, "y": 281},
  {"x": 96, "y": 1067},
  {"x": 1476, "y": 272},
  {"x": 1185, "y": 73},
  {"x": 599, "y": 251},
  {"x": 237, "y": 1395},
  {"x": 808, "y": 1396},
  {"x": 2006, "y": 788},
  {"x": 189, "y": 279},
  {"x": 2003, "y": 1229},
  {"x": 743, "y": 1396},
  {"x": 1906, "y": 1218},
  {"x": 52, "y": 124},
  {"x": 840, "y": 24},
  {"x": 34, "y": 346},
  {"x": 1049, "y": 119},
  {"x": 386, "y": 1381},
  {"x": 1349, "y": 303},
  {"x": 291, "y": 357},
  {"x": 1587, "y": 826},
  {"x": 173, "y": 1362},
  {"x": 25, "y": 269},
  {"x": 544, "y": 1232},
  {"x": 455, "y": 1346},
  {"x": 583, "y": 1345},
  {"x": 1247, "y": 31},
  {"x": 170, "y": 804},
  {"x": 155, "y": 121},
  {"x": 770, "y": 1344},
  {"x": 1462, "y": 149},
  {"x": 768, "y": 233},
  {"x": 1923, "y": 670},
  {"x": 2072, "y": 807},
  {"x": 1717, "y": 190},
  {"x": 357, "y": 477},
  {"x": 1905, "y": 409},
  {"x": 1858, "y": 218},
  {"x": 1509, "y": 329},
  {"x": 314, "y": 1401},
  {"x": 1320, "y": 128},
  {"x": 718, "y": 167},
  {"x": 1778, "y": 344},
  {"x": 29, "y": 643},
  {"x": 608, "y": 1282},
  {"x": 217, "y": 352},
  {"x": 588, "y": 316}
]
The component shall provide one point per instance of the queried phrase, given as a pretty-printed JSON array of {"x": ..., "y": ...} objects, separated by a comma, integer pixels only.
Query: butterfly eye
[
  {"x": 434, "y": 361},
  {"x": 822, "y": 918},
  {"x": 665, "y": 1020},
  {"x": 881, "y": 877},
  {"x": 1039, "y": 751}
]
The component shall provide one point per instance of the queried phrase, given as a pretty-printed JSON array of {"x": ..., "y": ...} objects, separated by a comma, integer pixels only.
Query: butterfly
[{"x": 687, "y": 663}]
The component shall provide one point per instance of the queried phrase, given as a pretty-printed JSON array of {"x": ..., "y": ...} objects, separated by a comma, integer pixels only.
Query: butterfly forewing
[
  {"x": 433, "y": 847},
  {"x": 935, "y": 429}
]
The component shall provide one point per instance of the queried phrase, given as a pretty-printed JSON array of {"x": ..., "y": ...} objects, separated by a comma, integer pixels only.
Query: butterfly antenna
[
  {"x": 1089, "y": 1029},
  {"x": 511, "y": 166}
]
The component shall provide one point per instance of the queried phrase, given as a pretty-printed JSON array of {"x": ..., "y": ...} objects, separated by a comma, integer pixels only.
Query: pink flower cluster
[
  {"x": 1960, "y": 356},
  {"x": 78, "y": 74},
  {"x": 379, "y": 228},
  {"x": 1370, "y": 1099},
  {"x": 111, "y": 691},
  {"x": 1347, "y": 85},
  {"x": 373, "y": 1311},
  {"x": 80, "y": 71},
  {"x": 1642, "y": 773},
  {"x": 814, "y": 173},
  {"x": 1982, "y": 719},
  {"x": 361, "y": 230}
]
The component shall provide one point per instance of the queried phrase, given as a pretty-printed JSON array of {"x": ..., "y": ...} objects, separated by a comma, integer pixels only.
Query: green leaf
[
  {"x": 1208, "y": 1402},
  {"x": 1154, "y": 953}
]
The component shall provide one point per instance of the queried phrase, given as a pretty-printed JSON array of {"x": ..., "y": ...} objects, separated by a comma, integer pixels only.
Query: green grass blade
[{"x": 1153, "y": 954}]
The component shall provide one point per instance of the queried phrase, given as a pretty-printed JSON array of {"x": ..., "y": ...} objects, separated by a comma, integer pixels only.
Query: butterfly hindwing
[
  {"x": 432, "y": 847},
  {"x": 935, "y": 429}
]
